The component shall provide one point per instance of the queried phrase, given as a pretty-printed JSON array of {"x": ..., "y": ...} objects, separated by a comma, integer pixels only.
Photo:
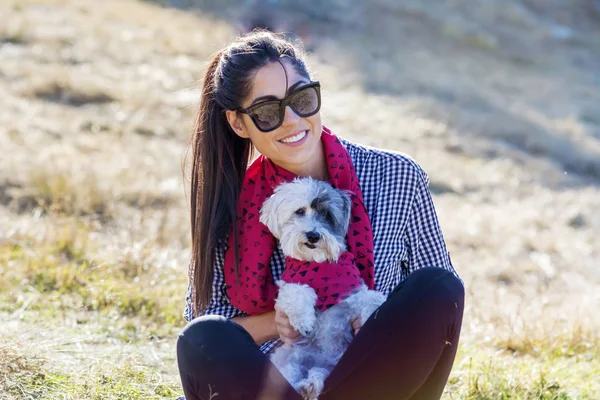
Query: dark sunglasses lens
[
  {"x": 266, "y": 116},
  {"x": 305, "y": 102}
]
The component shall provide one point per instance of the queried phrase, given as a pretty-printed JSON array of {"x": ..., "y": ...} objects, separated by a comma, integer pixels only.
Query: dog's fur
[{"x": 296, "y": 208}]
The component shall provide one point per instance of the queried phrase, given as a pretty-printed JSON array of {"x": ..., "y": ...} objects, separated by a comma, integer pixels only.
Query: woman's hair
[{"x": 219, "y": 156}]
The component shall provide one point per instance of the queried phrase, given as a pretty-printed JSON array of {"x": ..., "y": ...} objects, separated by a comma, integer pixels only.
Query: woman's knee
[
  {"x": 442, "y": 278},
  {"x": 204, "y": 326},
  {"x": 444, "y": 289},
  {"x": 208, "y": 334},
  {"x": 429, "y": 280}
]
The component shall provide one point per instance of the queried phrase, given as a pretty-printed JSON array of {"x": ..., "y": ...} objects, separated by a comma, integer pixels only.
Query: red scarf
[{"x": 254, "y": 291}]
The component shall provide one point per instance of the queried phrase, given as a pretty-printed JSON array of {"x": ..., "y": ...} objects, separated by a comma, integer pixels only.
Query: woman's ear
[{"x": 235, "y": 121}]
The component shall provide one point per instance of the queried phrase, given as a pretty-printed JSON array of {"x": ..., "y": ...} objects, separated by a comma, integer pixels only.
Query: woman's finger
[
  {"x": 290, "y": 332},
  {"x": 286, "y": 331},
  {"x": 279, "y": 311},
  {"x": 356, "y": 325},
  {"x": 288, "y": 335},
  {"x": 280, "y": 315},
  {"x": 288, "y": 340},
  {"x": 282, "y": 320}
]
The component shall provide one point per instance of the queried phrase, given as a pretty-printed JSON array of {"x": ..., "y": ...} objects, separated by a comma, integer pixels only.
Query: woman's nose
[{"x": 290, "y": 116}]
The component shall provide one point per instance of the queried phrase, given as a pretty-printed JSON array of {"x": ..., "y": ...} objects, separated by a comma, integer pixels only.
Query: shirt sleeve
[
  {"x": 424, "y": 239},
  {"x": 219, "y": 303}
]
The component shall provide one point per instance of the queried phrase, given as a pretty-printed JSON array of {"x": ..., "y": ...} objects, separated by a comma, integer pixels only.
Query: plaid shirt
[{"x": 406, "y": 233}]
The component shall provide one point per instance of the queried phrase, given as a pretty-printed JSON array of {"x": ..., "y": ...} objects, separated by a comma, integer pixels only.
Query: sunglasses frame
[{"x": 283, "y": 103}]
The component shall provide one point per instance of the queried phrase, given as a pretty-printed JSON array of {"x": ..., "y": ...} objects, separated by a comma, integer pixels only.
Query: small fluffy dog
[{"x": 311, "y": 218}]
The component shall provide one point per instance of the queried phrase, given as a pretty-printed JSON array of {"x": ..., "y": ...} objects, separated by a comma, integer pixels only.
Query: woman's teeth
[{"x": 294, "y": 138}]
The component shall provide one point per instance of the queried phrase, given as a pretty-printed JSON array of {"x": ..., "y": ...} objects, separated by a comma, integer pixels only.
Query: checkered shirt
[{"x": 406, "y": 232}]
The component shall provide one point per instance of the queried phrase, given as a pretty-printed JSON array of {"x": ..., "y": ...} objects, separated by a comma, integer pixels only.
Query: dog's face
[{"x": 310, "y": 218}]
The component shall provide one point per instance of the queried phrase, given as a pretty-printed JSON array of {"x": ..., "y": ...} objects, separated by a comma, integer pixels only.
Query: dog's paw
[
  {"x": 304, "y": 323},
  {"x": 298, "y": 302},
  {"x": 310, "y": 389}
]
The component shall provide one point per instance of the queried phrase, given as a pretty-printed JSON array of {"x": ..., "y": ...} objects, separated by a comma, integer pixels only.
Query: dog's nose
[{"x": 313, "y": 237}]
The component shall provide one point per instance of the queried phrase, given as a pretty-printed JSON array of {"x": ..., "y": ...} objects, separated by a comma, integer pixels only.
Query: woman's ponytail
[
  {"x": 219, "y": 161},
  {"x": 219, "y": 156}
]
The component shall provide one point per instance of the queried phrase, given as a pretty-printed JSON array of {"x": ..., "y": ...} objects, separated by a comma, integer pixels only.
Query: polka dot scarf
[{"x": 253, "y": 291}]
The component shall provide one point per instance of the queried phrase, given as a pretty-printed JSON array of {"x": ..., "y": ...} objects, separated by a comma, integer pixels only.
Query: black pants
[{"x": 404, "y": 351}]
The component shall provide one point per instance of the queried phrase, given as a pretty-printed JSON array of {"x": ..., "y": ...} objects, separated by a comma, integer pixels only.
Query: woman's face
[{"x": 270, "y": 83}]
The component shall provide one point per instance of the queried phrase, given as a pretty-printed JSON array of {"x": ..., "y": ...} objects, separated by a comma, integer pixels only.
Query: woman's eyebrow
[{"x": 271, "y": 97}]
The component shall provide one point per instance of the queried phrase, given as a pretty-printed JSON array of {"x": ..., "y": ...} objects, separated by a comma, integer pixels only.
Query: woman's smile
[{"x": 295, "y": 139}]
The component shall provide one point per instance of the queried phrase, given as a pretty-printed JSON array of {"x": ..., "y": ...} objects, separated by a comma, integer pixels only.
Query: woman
[{"x": 257, "y": 92}]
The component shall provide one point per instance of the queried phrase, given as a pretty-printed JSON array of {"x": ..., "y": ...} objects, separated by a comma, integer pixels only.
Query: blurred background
[{"x": 498, "y": 100}]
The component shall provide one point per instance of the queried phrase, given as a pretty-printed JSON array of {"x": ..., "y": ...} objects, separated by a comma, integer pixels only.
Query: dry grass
[
  {"x": 73, "y": 191},
  {"x": 17, "y": 371},
  {"x": 571, "y": 342},
  {"x": 499, "y": 376},
  {"x": 94, "y": 234},
  {"x": 26, "y": 377},
  {"x": 61, "y": 273},
  {"x": 69, "y": 92}
]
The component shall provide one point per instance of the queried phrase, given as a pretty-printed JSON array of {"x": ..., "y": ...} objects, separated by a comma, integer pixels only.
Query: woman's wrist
[
  {"x": 261, "y": 327},
  {"x": 272, "y": 332}
]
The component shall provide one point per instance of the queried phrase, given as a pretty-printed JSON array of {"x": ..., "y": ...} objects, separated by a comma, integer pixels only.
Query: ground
[{"x": 497, "y": 100}]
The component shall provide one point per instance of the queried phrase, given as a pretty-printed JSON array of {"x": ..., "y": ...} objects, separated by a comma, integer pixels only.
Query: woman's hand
[
  {"x": 356, "y": 325},
  {"x": 286, "y": 331}
]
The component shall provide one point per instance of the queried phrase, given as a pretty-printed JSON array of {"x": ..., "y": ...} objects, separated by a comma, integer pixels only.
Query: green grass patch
[
  {"x": 62, "y": 278},
  {"x": 22, "y": 377},
  {"x": 482, "y": 374},
  {"x": 17, "y": 372}
]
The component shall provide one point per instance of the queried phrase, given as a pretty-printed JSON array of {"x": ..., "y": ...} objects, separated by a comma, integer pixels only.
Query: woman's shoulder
[{"x": 383, "y": 160}]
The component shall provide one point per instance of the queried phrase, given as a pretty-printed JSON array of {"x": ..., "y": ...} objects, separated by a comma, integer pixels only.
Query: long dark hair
[{"x": 219, "y": 156}]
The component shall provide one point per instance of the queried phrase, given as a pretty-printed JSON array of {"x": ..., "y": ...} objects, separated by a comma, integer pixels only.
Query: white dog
[{"x": 311, "y": 218}]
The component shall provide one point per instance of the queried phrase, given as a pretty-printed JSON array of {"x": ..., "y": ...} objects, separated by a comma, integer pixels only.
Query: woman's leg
[
  {"x": 218, "y": 359},
  {"x": 407, "y": 348}
]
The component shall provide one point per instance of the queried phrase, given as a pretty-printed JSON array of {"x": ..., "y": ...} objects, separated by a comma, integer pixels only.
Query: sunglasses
[{"x": 268, "y": 115}]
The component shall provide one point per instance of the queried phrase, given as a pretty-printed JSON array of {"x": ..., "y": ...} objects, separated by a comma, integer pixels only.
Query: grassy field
[{"x": 98, "y": 100}]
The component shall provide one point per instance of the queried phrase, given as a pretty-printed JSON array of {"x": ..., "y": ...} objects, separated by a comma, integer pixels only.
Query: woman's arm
[
  {"x": 261, "y": 327},
  {"x": 269, "y": 326},
  {"x": 426, "y": 245}
]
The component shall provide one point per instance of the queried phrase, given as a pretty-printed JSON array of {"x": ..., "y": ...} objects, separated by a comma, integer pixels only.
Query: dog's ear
[
  {"x": 269, "y": 214},
  {"x": 346, "y": 209}
]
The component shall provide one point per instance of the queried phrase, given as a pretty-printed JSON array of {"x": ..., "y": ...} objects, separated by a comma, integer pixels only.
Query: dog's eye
[
  {"x": 300, "y": 211},
  {"x": 328, "y": 217}
]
